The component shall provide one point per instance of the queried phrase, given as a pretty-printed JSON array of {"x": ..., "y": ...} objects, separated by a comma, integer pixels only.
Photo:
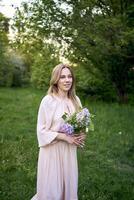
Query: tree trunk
[{"x": 122, "y": 96}]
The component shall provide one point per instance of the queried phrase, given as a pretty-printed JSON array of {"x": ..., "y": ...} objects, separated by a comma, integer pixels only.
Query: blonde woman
[{"x": 57, "y": 174}]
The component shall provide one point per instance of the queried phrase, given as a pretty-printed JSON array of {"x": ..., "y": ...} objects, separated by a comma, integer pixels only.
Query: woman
[{"x": 57, "y": 174}]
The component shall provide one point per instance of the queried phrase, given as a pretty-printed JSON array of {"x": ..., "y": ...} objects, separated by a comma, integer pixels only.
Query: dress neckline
[
  {"x": 68, "y": 103},
  {"x": 62, "y": 99}
]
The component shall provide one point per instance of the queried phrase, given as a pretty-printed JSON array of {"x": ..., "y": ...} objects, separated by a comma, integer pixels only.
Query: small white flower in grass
[{"x": 120, "y": 133}]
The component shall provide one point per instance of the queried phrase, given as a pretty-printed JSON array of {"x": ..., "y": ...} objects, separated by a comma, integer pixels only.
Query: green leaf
[
  {"x": 64, "y": 116},
  {"x": 91, "y": 126}
]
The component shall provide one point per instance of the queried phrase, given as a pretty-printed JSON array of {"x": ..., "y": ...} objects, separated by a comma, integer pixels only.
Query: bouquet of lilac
[{"x": 78, "y": 122}]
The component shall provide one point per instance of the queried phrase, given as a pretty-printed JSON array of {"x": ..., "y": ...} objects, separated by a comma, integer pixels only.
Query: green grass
[{"x": 106, "y": 164}]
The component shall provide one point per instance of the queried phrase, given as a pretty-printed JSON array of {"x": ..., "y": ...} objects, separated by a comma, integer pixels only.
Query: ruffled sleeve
[{"x": 45, "y": 115}]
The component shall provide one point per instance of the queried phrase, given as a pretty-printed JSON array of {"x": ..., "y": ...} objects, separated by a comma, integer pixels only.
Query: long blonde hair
[{"x": 53, "y": 89}]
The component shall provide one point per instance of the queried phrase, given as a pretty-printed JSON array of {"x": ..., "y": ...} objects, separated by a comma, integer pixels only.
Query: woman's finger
[{"x": 79, "y": 143}]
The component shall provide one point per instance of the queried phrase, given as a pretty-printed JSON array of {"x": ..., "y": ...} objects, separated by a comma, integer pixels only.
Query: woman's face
[{"x": 65, "y": 82}]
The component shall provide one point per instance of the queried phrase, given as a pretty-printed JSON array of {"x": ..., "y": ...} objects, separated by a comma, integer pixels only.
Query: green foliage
[
  {"x": 105, "y": 44},
  {"x": 5, "y": 72},
  {"x": 94, "y": 84},
  {"x": 12, "y": 66},
  {"x": 42, "y": 67},
  {"x": 20, "y": 75},
  {"x": 98, "y": 35},
  {"x": 40, "y": 54},
  {"x": 13, "y": 70},
  {"x": 106, "y": 163},
  {"x": 5, "y": 69},
  {"x": 4, "y": 27}
]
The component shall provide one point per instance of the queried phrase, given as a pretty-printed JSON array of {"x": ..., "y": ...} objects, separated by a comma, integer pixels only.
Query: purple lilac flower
[
  {"x": 66, "y": 128},
  {"x": 86, "y": 112},
  {"x": 83, "y": 115}
]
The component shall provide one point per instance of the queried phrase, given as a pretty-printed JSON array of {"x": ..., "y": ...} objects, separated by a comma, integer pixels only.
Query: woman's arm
[{"x": 44, "y": 134}]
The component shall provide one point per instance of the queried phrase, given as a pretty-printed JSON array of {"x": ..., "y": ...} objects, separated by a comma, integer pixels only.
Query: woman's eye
[
  {"x": 62, "y": 76},
  {"x": 70, "y": 76}
]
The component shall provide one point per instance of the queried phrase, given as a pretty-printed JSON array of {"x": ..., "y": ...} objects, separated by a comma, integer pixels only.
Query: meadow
[{"x": 106, "y": 163}]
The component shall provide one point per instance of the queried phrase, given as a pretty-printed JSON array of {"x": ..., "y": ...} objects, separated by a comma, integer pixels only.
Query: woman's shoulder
[{"x": 48, "y": 100}]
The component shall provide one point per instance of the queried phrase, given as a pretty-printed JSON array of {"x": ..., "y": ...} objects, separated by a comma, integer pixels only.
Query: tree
[
  {"x": 40, "y": 54},
  {"x": 5, "y": 69},
  {"x": 98, "y": 34},
  {"x": 42, "y": 66}
]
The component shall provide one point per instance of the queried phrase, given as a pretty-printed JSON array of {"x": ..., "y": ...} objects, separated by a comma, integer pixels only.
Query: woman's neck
[{"x": 62, "y": 95}]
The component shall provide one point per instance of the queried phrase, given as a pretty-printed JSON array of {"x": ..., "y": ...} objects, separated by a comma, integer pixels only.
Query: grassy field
[{"x": 106, "y": 164}]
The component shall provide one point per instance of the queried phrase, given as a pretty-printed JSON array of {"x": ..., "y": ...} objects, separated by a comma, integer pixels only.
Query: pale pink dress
[{"x": 57, "y": 174}]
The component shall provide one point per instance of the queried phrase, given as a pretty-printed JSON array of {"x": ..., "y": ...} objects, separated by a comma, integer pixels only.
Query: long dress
[{"x": 57, "y": 171}]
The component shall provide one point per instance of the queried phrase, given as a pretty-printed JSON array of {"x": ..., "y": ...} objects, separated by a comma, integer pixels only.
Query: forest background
[{"x": 96, "y": 37}]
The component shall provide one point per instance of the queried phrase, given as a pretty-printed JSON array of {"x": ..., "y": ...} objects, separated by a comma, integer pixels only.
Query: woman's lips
[{"x": 67, "y": 85}]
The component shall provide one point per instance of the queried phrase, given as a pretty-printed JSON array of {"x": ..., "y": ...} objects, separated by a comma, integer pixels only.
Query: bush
[{"x": 41, "y": 70}]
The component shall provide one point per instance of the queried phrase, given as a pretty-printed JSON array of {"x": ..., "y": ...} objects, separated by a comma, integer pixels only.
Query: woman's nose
[{"x": 67, "y": 79}]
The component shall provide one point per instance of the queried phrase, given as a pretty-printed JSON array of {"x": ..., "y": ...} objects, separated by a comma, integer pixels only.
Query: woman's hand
[
  {"x": 76, "y": 139},
  {"x": 80, "y": 138}
]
